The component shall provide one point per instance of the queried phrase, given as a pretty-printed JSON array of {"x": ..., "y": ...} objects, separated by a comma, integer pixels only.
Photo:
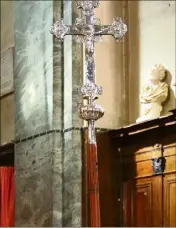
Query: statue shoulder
[{"x": 164, "y": 84}]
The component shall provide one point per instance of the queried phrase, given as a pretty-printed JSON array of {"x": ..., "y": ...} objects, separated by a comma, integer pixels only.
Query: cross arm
[{"x": 116, "y": 29}]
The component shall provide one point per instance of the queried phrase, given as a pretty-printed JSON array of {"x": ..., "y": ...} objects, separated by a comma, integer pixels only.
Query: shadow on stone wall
[{"x": 133, "y": 64}]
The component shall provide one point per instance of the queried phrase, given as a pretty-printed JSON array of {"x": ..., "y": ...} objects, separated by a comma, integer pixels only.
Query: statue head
[{"x": 157, "y": 73}]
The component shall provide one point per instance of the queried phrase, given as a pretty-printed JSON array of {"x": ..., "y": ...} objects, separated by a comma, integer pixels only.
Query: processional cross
[{"x": 88, "y": 30}]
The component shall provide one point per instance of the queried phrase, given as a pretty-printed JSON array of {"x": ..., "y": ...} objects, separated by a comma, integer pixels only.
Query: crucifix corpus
[{"x": 88, "y": 30}]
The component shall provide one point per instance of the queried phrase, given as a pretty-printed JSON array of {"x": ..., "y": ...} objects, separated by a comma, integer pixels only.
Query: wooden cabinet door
[
  {"x": 143, "y": 202},
  {"x": 170, "y": 200}
]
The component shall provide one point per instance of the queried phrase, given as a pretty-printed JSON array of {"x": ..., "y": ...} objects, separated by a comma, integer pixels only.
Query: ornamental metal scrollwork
[
  {"x": 158, "y": 165},
  {"x": 88, "y": 30},
  {"x": 59, "y": 29}
]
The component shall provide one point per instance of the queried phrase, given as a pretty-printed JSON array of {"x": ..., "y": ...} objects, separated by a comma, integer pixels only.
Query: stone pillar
[
  {"x": 48, "y": 142},
  {"x": 34, "y": 106},
  {"x": 58, "y": 76},
  {"x": 73, "y": 72}
]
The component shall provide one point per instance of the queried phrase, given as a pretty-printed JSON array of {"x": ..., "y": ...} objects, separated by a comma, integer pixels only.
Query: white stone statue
[{"x": 154, "y": 94}]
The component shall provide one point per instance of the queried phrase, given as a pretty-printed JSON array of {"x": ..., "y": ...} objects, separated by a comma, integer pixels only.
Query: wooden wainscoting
[
  {"x": 137, "y": 175},
  {"x": 7, "y": 155}
]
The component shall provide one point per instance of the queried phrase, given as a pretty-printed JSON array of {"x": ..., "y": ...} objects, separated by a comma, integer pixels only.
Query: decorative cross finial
[{"x": 89, "y": 30}]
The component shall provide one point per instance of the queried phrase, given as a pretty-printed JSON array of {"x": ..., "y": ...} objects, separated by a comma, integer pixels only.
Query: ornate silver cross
[{"x": 88, "y": 30}]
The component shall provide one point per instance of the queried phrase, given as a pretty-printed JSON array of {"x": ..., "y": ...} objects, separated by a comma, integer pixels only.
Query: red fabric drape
[{"x": 6, "y": 196}]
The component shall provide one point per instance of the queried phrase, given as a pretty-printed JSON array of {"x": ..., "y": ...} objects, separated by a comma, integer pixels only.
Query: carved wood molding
[{"x": 147, "y": 126}]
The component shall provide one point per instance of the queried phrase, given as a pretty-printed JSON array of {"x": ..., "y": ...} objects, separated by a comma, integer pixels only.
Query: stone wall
[
  {"x": 47, "y": 130},
  {"x": 109, "y": 69},
  {"x": 33, "y": 115},
  {"x": 151, "y": 41},
  {"x": 7, "y": 102}
]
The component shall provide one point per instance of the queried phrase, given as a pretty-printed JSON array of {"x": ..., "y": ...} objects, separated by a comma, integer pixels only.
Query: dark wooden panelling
[
  {"x": 130, "y": 194},
  {"x": 170, "y": 200},
  {"x": 7, "y": 155},
  {"x": 109, "y": 182}
]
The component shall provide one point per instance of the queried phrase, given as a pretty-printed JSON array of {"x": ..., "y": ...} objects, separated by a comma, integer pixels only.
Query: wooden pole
[{"x": 93, "y": 185}]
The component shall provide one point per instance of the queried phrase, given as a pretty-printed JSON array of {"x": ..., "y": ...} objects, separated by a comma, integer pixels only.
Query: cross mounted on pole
[{"x": 88, "y": 30}]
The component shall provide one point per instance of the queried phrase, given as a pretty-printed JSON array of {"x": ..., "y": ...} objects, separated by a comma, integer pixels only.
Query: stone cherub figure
[{"x": 154, "y": 94}]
